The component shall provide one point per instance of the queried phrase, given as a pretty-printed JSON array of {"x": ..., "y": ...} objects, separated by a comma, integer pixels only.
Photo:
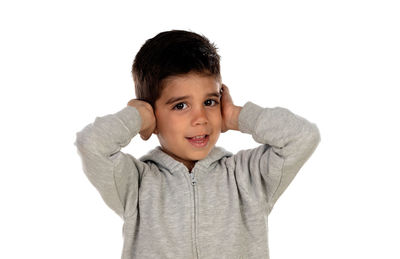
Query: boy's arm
[
  {"x": 289, "y": 140},
  {"x": 114, "y": 173}
]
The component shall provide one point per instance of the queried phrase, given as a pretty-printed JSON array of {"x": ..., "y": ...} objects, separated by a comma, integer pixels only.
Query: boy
[{"x": 188, "y": 198}]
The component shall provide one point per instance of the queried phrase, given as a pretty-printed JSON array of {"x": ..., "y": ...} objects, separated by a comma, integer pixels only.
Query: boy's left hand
[{"x": 229, "y": 111}]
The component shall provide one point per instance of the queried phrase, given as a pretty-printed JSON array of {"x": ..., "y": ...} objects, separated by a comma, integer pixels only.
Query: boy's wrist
[
  {"x": 234, "y": 123},
  {"x": 146, "y": 118}
]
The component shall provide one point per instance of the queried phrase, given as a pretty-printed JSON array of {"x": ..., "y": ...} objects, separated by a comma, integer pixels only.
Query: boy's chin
[
  {"x": 200, "y": 155},
  {"x": 197, "y": 157}
]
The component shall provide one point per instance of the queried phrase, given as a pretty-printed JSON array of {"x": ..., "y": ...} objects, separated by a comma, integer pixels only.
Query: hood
[{"x": 162, "y": 159}]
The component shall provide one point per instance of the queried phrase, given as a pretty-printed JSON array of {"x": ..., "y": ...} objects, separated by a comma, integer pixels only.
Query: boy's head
[
  {"x": 178, "y": 73},
  {"x": 168, "y": 54}
]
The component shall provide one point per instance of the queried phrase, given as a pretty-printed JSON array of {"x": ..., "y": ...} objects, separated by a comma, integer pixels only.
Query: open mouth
[{"x": 199, "y": 141}]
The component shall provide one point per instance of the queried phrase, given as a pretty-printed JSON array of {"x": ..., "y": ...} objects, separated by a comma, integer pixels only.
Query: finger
[
  {"x": 225, "y": 94},
  {"x": 224, "y": 88},
  {"x": 221, "y": 90},
  {"x": 144, "y": 137}
]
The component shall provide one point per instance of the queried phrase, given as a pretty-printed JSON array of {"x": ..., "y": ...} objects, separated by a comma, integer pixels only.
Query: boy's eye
[
  {"x": 210, "y": 102},
  {"x": 180, "y": 106}
]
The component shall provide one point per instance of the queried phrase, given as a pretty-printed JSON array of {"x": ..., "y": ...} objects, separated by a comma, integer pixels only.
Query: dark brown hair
[{"x": 172, "y": 53}]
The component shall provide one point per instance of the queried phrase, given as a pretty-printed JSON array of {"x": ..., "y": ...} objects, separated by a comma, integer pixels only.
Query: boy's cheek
[{"x": 219, "y": 123}]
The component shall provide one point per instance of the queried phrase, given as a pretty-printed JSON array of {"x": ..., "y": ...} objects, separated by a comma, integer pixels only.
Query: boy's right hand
[{"x": 148, "y": 119}]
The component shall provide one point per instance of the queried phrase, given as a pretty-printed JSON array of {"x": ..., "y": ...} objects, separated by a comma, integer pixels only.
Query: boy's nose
[{"x": 199, "y": 117}]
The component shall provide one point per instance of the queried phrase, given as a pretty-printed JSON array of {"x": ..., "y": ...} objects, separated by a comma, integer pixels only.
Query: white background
[{"x": 335, "y": 63}]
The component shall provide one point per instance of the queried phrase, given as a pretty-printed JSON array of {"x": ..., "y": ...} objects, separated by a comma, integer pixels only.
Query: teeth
[{"x": 199, "y": 137}]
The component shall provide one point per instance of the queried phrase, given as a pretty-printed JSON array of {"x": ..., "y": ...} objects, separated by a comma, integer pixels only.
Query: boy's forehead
[{"x": 190, "y": 84}]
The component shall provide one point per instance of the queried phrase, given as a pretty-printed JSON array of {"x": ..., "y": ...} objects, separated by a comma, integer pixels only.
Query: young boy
[{"x": 188, "y": 198}]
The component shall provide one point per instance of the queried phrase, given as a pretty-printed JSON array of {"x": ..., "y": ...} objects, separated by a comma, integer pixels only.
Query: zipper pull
[{"x": 193, "y": 180}]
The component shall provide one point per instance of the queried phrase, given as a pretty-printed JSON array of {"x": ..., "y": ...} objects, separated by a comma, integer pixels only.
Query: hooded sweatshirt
[{"x": 218, "y": 210}]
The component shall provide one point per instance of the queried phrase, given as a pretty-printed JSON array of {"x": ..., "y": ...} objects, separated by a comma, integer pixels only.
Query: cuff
[
  {"x": 248, "y": 117},
  {"x": 130, "y": 117}
]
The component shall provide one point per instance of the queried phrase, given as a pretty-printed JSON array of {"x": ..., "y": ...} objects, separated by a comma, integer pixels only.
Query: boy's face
[{"x": 188, "y": 117}]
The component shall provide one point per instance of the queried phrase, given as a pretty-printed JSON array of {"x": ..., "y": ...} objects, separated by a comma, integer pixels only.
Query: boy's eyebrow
[
  {"x": 180, "y": 98},
  {"x": 215, "y": 94},
  {"x": 175, "y": 99}
]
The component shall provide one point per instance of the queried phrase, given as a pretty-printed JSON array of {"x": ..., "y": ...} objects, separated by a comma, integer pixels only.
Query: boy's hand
[
  {"x": 229, "y": 111},
  {"x": 147, "y": 115}
]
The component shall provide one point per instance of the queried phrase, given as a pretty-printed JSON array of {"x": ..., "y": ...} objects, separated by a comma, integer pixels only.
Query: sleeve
[
  {"x": 113, "y": 173},
  {"x": 288, "y": 141}
]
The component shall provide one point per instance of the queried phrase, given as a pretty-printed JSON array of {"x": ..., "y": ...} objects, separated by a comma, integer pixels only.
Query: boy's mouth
[
  {"x": 198, "y": 136},
  {"x": 199, "y": 141}
]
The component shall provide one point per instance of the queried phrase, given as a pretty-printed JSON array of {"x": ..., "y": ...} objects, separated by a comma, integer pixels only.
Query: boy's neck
[{"x": 189, "y": 164}]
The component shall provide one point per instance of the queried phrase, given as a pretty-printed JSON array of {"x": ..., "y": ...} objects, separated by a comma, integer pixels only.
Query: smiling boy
[
  {"x": 188, "y": 198},
  {"x": 189, "y": 117}
]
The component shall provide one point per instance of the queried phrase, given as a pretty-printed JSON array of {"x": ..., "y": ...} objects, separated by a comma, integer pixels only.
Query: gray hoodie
[{"x": 218, "y": 210}]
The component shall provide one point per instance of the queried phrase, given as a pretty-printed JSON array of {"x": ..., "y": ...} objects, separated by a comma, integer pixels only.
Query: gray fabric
[{"x": 224, "y": 213}]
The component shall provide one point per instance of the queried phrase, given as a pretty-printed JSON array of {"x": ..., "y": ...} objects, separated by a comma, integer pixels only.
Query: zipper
[{"x": 193, "y": 181}]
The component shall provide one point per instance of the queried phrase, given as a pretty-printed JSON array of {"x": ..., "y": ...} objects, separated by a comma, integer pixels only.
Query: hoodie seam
[
  {"x": 127, "y": 128},
  {"x": 117, "y": 189},
  {"x": 270, "y": 206}
]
